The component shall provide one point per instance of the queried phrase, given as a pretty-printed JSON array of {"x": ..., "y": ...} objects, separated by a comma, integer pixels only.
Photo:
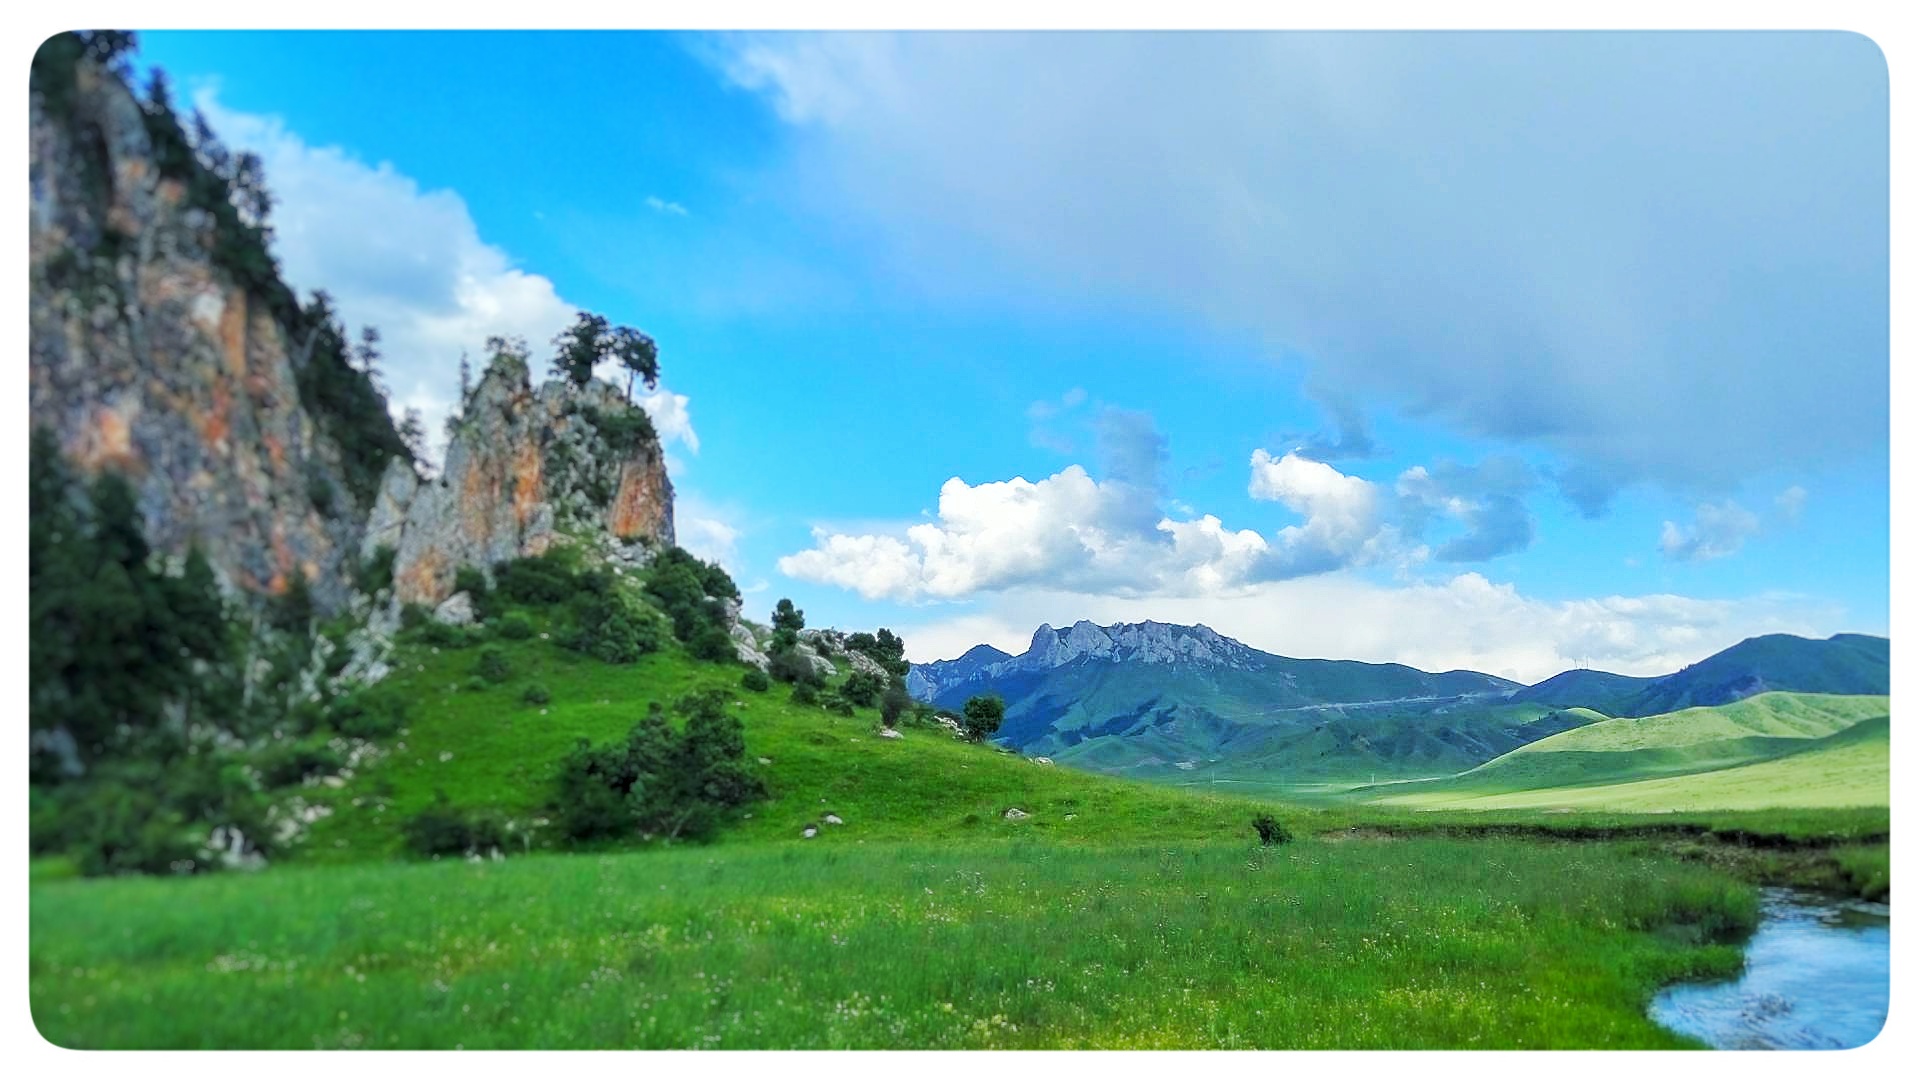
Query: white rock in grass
[
  {"x": 810, "y": 832},
  {"x": 1042, "y": 761},
  {"x": 833, "y": 819},
  {"x": 889, "y": 733},
  {"x": 1014, "y": 813}
]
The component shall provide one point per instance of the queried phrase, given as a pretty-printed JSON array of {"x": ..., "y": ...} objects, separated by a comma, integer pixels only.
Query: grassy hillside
[
  {"x": 486, "y": 749},
  {"x": 1601, "y": 691},
  {"x": 1852, "y": 768},
  {"x": 1685, "y": 744},
  {"x": 1841, "y": 664}
]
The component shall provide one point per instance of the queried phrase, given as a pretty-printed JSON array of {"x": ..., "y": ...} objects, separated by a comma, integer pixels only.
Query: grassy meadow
[{"x": 1115, "y": 913}]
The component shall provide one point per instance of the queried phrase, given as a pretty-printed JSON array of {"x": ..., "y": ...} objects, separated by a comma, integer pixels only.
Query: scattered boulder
[
  {"x": 859, "y": 661},
  {"x": 810, "y": 831},
  {"x": 833, "y": 819},
  {"x": 1042, "y": 761},
  {"x": 1014, "y": 813},
  {"x": 890, "y": 733},
  {"x": 455, "y": 610},
  {"x": 821, "y": 665}
]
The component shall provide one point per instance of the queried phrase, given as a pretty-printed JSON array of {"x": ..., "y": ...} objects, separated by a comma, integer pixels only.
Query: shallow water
[{"x": 1818, "y": 972}]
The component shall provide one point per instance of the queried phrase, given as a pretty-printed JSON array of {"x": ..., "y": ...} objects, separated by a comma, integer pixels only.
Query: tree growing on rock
[{"x": 591, "y": 340}]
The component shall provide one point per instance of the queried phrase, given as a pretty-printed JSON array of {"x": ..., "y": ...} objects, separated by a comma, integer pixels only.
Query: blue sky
[{"x": 1507, "y": 351}]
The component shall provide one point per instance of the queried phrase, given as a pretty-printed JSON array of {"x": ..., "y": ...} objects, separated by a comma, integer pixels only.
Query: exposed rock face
[
  {"x": 146, "y": 358},
  {"x": 525, "y": 470}
]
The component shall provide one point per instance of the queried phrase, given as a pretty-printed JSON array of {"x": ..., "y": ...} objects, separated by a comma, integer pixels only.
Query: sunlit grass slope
[
  {"x": 1690, "y": 741},
  {"x": 1849, "y": 769}
]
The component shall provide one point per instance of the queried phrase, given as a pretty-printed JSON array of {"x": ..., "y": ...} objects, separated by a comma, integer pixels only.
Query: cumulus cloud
[
  {"x": 1487, "y": 498},
  {"x": 1466, "y": 621},
  {"x": 1350, "y": 439},
  {"x": 664, "y": 206},
  {"x": 1655, "y": 255},
  {"x": 1344, "y": 523},
  {"x": 1718, "y": 529},
  {"x": 407, "y": 260}
]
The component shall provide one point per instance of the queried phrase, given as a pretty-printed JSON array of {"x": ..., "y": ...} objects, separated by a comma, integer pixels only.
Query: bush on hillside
[
  {"x": 1270, "y": 831},
  {"x": 444, "y": 635},
  {"x": 863, "y": 688},
  {"x": 658, "y": 781},
  {"x": 607, "y": 626},
  {"x": 755, "y": 680},
  {"x": 537, "y": 580},
  {"x": 443, "y": 829},
  {"x": 494, "y": 666},
  {"x": 805, "y": 693},
  {"x": 791, "y": 667},
  {"x": 376, "y": 571},
  {"x": 515, "y": 626},
  {"x": 535, "y": 695},
  {"x": 712, "y": 643},
  {"x": 982, "y": 715},
  {"x": 894, "y": 704}
]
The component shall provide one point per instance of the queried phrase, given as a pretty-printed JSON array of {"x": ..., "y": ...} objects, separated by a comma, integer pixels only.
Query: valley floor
[{"x": 1374, "y": 941}]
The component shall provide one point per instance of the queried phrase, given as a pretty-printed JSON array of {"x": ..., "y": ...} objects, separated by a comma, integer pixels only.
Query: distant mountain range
[{"x": 1155, "y": 697}]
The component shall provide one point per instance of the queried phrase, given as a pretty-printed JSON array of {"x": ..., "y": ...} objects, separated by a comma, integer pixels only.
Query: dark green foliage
[
  {"x": 369, "y": 714},
  {"x": 414, "y": 615},
  {"x": 289, "y": 762},
  {"x": 538, "y": 580},
  {"x": 344, "y": 399},
  {"x": 894, "y": 704},
  {"x": 515, "y": 626},
  {"x": 659, "y": 782},
  {"x": 836, "y": 703},
  {"x": 443, "y": 829},
  {"x": 444, "y": 635},
  {"x": 690, "y": 592},
  {"x": 788, "y": 617},
  {"x": 535, "y": 695},
  {"x": 755, "y": 680},
  {"x": 112, "y": 640},
  {"x": 376, "y": 571},
  {"x": 805, "y": 693},
  {"x": 493, "y": 666},
  {"x": 320, "y": 493},
  {"x": 471, "y": 580},
  {"x": 1270, "y": 831},
  {"x": 712, "y": 642},
  {"x": 790, "y": 667},
  {"x": 292, "y": 611},
  {"x": 863, "y": 688},
  {"x": 885, "y": 648},
  {"x": 606, "y": 626},
  {"x": 623, "y": 430},
  {"x": 591, "y": 340},
  {"x": 982, "y": 716}
]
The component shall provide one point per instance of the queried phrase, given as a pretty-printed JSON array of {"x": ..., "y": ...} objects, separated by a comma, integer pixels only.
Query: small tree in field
[
  {"x": 894, "y": 704},
  {"x": 982, "y": 715}
]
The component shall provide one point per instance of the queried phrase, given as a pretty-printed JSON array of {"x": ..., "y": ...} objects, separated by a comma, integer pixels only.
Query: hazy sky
[{"x": 1505, "y": 351}]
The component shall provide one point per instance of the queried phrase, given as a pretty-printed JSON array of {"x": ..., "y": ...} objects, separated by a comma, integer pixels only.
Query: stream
[{"x": 1817, "y": 976}]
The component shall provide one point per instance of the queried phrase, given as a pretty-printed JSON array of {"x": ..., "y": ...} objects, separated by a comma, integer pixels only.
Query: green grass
[
  {"x": 1658, "y": 763},
  {"x": 1851, "y": 768},
  {"x": 1428, "y": 942}
]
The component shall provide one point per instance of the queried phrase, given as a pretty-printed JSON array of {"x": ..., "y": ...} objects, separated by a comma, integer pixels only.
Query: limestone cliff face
[
  {"x": 525, "y": 470},
  {"x": 146, "y": 358}
]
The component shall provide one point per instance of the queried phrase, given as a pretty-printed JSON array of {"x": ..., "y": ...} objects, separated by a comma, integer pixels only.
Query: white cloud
[
  {"x": 406, "y": 260},
  {"x": 670, "y": 416},
  {"x": 1343, "y": 526},
  {"x": 1466, "y": 621},
  {"x": 1718, "y": 529},
  {"x": 664, "y": 206},
  {"x": 1791, "y": 502}
]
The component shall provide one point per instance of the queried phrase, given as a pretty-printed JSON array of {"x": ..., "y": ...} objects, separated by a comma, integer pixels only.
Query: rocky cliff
[
  {"x": 525, "y": 469},
  {"x": 164, "y": 345},
  {"x": 147, "y": 357}
]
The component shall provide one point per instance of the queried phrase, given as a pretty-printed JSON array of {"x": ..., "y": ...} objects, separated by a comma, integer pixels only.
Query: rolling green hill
[
  {"x": 1683, "y": 746},
  {"x": 1841, "y": 664}
]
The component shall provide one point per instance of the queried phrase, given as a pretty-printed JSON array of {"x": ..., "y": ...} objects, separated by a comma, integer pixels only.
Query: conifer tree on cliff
[{"x": 591, "y": 340}]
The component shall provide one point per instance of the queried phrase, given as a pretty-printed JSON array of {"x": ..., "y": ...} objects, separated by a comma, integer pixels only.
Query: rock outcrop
[
  {"x": 525, "y": 469},
  {"x": 148, "y": 358}
]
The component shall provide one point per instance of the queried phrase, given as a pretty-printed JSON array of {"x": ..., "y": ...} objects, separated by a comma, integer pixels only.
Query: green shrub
[
  {"x": 713, "y": 643},
  {"x": 538, "y": 580},
  {"x": 755, "y": 680},
  {"x": 368, "y": 714},
  {"x": 414, "y": 615},
  {"x": 894, "y": 704},
  {"x": 789, "y": 666},
  {"x": 805, "y": 693},
  {"x": 286, "y": 763},
  {"x": 863, "y": 688},
  {"x": 535, "y": 695},
  {"x": 444, "y": 635},
  {"x": 606, "y": 626},
  {"x": 658, "y": 781},
  {"x": 471, "y": 580},
  {"x": 834, "y": 703},
  {"x": 1270, "y": 831},
  {"x": 982, "y": 715},
  {"x": 515, "y": 626},
  {"x": 494, "y": 666},
  {"x": 442, "y": 829}
]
